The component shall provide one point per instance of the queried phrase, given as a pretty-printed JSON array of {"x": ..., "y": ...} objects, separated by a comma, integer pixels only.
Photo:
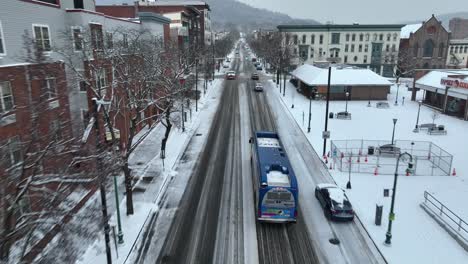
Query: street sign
[
  {"x": 391, "y": 217},
  {"x": 386, "y": 192},
  {"x": 326, "y": 134}
]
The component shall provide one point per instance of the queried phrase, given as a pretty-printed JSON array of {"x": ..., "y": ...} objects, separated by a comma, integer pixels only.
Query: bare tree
[{"x": 40, "y": 169}]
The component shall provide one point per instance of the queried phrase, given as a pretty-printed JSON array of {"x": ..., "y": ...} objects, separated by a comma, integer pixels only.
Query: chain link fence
[{"x": 365, "y": 156}]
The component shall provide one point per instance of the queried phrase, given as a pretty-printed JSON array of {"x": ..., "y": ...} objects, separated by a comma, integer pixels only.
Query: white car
[{"x": 258, "y": 87}]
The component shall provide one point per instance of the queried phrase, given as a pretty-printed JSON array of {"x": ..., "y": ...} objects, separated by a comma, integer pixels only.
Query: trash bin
[
  {"x": 378, "y": 214},
  {"x": 370, "y": 150},
  {"x": 330, "y": 115}
]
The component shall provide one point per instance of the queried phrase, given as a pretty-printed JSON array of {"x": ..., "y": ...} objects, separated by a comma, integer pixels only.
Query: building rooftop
[
  {"x": 431, "y": 82},
  {"x": 408, "y": 29},
  {"x": 341, "y": 75},
  {"x": 337, "y": 27}
]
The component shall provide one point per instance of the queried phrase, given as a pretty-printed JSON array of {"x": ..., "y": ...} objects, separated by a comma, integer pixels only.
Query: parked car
[
  {"x": 258, "y": 87},
  {"x": 254, "y": 59},
  {"x": 388, "y": 149},
  {"x": 230, "y": 75},
  {"x": 335, "y": 203},
  {"x": 254, "y": 76},
  {"x": 259, "y": 68},
  {"x": 228, "y": 60}
]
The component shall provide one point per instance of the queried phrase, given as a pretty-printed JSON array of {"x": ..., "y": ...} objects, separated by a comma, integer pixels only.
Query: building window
[
  {"x": 54, "y": 2},
  {"x": 415, "y": 50},
  {"x": 355, "y": 58},
  {"x": 345, "y": 59},
  {"x": 346, "y": 48},
  {"x": 2, "y": 42},
  {"x": 389, "y": 37},
  {"x": 295, "y": 39},
  {"x": 395, "y": 36},
  {"x": 321, "y": 39},
  {"x": 101, "y": 79},
  {"x": 42, "y": 37},
  {"x": 77, "y": 39},
  {"x": 365, "y": 58},
  {"x": 311, "y": 52},
  {"x": 304, "y": 38},
  {"x": 295, "y": 51},
  {"x": 366, "y": 48},
  {"x": 352, "y": 47},
  {"x": 361, "y": 37},
  {"x": 55, "y": 130},
  {"x": 347, "y": 37},
  {"x": 428, "y": 50},
  {"x": 353, "y": 37},
  {"x": 360, "y": 47},
  {"x": 335, "y": 38},
  {"x": 387, "y": 48},
  {"x": 441, "y": 50},
  {"x": 96, "y": 37},
  {"x": 456, "y": 49},
  {"x": 393, "y": 47},
  {"x": 451, "y": 49},
  {"x": 50, "y": 88},
  {"x": 465, "y": 51},
  {"x": 367, "y": 37},
  {"x": 320, "y": 52},
  {"x": 14, "y": 154},
  {"x": 110, "y": 40},
  {"x": 312, "y": 39},
  {"x": 381, "y": 37},
  {"x": 375, "y": 37},
  {"x": 78, "y": 4},
  {"x": 6, "y": 97}
]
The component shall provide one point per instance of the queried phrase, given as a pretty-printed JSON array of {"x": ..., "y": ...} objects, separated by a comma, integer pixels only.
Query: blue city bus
[{"x": 275, "y": 185}]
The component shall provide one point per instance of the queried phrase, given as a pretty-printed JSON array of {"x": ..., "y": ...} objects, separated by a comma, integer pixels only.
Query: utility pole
[
  {"x": 213, "y": 53},
  {"x": 326, "y": 111},
  {"x": 102, "y": 184},
  {"x": 196, "y": 85}
]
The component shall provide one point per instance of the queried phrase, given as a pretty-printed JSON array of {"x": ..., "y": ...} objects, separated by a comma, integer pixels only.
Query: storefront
[{"x": 447, "y": 91}]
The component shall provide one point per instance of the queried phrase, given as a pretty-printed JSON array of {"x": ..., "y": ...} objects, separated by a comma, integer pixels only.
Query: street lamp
[
  {"x": 310, "y": 110},
  {"x": 348, "y": 185},
  {"x": 393, "y": 134},
  {"x": 182, "y": 82},
  {"x": 416, "y": 128},
  {"x": 391, "y": 217},
  {"x": 347, "y": 96},
  {"x": 196, "y": 85},
  {"x": 396, "y": 98}
]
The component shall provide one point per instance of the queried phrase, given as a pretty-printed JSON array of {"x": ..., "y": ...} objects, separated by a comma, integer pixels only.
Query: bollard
[{"x": 378, "y": 214}]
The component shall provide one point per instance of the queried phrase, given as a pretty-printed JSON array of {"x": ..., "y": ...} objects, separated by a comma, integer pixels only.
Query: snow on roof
[
  {"x": 408, "y": 29},
  {"x": 268, "y": 142},
  {"x": 431, "y": 81},
  {"x": 277, "y": 178},
  {"x": 314, "y": 76},
  {"x": 336, "y": 194}
]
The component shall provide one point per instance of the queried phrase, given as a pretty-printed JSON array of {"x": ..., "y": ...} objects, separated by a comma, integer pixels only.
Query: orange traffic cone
[
  {"x": 376, "y": 171},
  {"x": 407, "y": 173},
  {"x": 454, "y": 173}
]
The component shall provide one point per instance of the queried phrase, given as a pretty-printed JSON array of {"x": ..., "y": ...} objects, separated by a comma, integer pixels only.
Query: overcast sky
[{"x": 362, "y": 11}]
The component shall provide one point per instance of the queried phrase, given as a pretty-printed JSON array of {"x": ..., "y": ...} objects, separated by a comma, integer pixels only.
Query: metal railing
[{"x": 452, "y": 220}]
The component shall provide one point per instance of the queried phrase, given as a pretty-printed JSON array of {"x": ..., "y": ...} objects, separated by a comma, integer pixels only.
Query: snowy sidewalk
[
  {"x": 146, "y": 161},
  {"x": 417, "y": 238}
]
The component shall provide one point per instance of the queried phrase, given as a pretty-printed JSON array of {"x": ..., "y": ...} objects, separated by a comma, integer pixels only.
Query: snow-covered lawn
[{"x": 417, "y": 238}]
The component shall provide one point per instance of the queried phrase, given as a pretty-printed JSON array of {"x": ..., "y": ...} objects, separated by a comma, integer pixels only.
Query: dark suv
[{"x": 254, "y": 76}]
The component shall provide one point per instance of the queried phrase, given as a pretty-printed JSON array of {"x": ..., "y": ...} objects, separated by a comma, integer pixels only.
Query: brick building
[
  {"x": 458, "y": 28},
  {"x": 424, "y": 45},
  {"x": 44, "y": 107},
  {"x": 190, "y": 20}
]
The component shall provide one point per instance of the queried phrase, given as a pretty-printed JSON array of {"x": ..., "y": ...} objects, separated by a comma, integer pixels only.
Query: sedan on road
[
  {"x": 334, "y": 202},
  {"x": 258, "y": 87},
  {"x": 254, "y": 76},
  {"x": 230, "y": 75}
]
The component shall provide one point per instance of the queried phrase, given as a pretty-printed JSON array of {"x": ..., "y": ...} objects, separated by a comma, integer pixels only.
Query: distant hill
[
  {"x": 445, "y": 18},
  {"x": 227, "y": 14},
  {"x": 230, "y": 14}
]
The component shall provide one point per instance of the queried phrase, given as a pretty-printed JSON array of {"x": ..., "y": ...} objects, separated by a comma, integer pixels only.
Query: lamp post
[
  {"x": 393, "y": 134},
  {"x": 182, "y": 82},
  {"x": 396, "y": 98},
  {"x": 391, "y": 217},
  {"x": 416, "y": 128},
  {"x": 347, "y": 96},
  {"x": 196, "y": 85},
  {"x": 326, "y": 110},
  {"x": 310, "y": 111},
  {"x": 348, "y": 185}
]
